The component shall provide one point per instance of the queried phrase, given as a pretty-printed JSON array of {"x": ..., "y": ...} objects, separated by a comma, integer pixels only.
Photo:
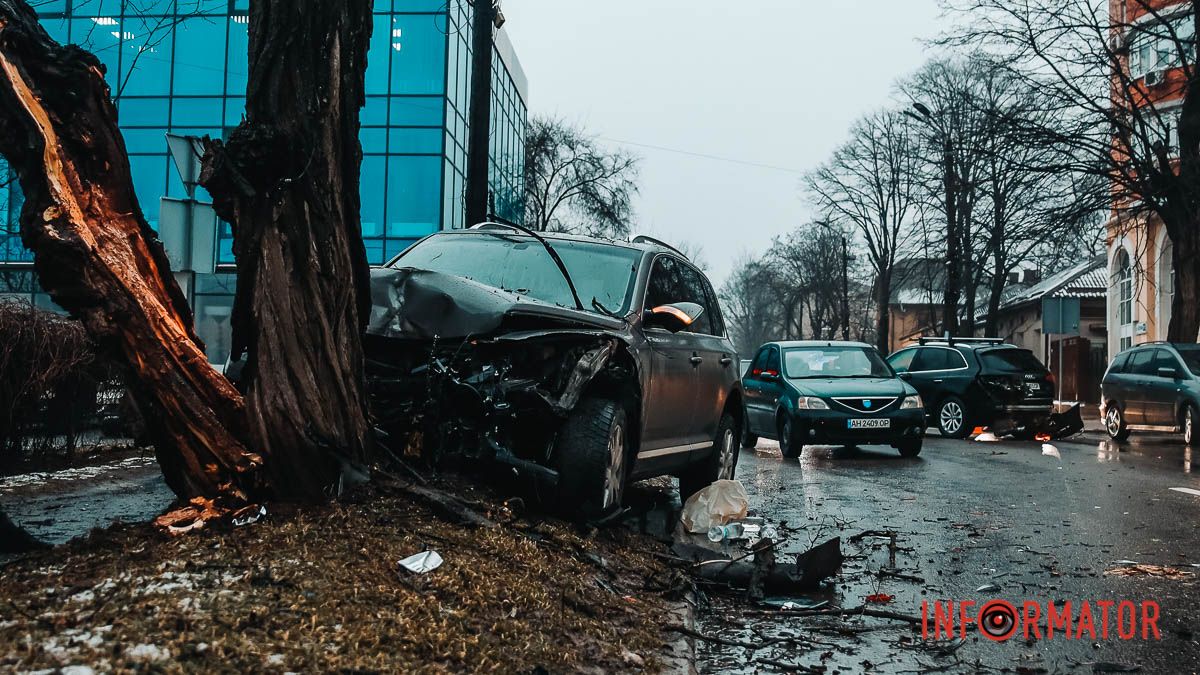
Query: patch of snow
[
  {"x": 77, "y": 670},
  {"x": 275, "y": 660},
  {"x": 145, "y": 652}
]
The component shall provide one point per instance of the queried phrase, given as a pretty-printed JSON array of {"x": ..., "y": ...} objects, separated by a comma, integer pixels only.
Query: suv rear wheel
[
  {"x": 720, "y": 464},
  {"x": 592, "y": 458},
  {"x": 952, "y": 418},
  {"x": 1114, "y": 423}
]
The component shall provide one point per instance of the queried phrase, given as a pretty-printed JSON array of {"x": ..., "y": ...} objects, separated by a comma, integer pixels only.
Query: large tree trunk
[
  {"x": 288, "y": 181},
  {"x": 883, "y": 294},
  {"x": 1183, "y": 226},
  {"x": 98, "y": 259}
]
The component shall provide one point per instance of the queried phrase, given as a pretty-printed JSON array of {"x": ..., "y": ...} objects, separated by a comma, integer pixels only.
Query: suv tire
[
  {"x": 720, "y": 464},
  {"x": 789, "y": 441},
  {"x": 1188, "y": 421},
  {"x": 952, "y": 418},
  {"x": 1114, "y": 423},
  {"x": 749, "y": 440},
  {"x": 592, "y": 458}
]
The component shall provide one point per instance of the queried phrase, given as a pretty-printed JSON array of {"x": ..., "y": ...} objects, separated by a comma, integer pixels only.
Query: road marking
[{"x": 1187, "y": 491}]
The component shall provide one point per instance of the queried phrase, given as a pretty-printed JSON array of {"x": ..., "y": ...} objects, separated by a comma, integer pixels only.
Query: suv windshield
[
  {"x": 1191, "y": 357},
  {"x": 520, "y": 264},
  {"x": 822, "y": 362},
  {"x": 1010, "y": 361}
]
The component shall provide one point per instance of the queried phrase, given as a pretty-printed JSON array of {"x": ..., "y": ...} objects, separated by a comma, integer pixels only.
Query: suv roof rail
[
  {"x": 644, "y": 239},
  {"x": 492, "y": 225},
  {"x": 950, "y": 340}
]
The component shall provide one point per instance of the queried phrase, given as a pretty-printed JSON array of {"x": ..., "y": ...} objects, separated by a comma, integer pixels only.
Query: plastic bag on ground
[
  {"x": 423, "y": 562},
  {"x": 717, "y": 504},
  {"x": 1051, "y": 451}
]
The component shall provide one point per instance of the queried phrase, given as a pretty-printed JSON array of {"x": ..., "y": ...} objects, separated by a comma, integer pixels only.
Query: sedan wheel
[{"x": 1189, "y": 424}]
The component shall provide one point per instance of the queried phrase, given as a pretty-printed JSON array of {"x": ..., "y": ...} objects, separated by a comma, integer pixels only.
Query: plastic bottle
[{"x": 722, "y": 532}]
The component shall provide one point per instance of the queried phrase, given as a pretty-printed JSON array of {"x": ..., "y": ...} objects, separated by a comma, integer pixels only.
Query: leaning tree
[{"x": 288, "y": 180}]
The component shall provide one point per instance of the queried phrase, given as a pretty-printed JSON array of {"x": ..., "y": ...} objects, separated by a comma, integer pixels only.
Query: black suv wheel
[
  {"x": 952, "y": 418},
  {"x": 1114, "y": 423},
  {"x": 720, "y": 464},
  {"x": 592, "y": 458}
]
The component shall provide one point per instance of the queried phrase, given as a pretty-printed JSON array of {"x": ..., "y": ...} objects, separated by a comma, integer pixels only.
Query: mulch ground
[{"x": 318, "y": 589}]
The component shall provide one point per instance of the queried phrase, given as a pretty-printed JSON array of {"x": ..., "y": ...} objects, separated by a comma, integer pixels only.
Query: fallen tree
[{"x": 302, "y": 277}]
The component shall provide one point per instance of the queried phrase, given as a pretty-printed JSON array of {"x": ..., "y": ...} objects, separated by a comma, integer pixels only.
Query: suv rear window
[
  {"x": 1191, "y": 358},
  {"x": 1010, "y": 361}
]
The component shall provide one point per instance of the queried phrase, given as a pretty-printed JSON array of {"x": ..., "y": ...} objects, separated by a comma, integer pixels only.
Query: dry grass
[{"x": 318, "y": 590}]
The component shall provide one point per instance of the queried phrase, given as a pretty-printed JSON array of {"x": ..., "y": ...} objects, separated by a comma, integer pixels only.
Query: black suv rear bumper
[{"x": 829, "y": 427}]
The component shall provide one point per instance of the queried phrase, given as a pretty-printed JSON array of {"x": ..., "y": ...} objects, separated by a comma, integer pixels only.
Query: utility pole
[
  {"x": 845, "y": 288},
  {"x": 954, "y": 248},
  {"x": 480, "y": 118}
]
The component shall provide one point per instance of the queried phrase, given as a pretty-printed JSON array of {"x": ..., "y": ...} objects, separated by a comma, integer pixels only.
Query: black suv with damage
[
  {"x": 580, "y": 362},
  {"x": 968, "y": 382}
]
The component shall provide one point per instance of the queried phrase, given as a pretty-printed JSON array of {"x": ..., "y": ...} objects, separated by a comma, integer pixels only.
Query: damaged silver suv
[{"x": 580, "y": 362}]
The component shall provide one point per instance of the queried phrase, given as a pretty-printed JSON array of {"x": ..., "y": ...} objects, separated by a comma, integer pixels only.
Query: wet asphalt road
[{"x": 969, "y": 514}]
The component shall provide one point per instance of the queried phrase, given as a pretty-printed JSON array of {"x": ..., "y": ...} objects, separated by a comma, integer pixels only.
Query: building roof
[{"x": 1086, "y": 280}]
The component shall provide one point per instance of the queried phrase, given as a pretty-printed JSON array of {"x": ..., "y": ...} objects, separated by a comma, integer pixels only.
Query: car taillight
[{"x": 1050, "y": 378}]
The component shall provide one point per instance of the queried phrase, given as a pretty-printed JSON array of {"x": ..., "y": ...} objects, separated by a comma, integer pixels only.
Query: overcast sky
[{"x": 769, "y": 87}]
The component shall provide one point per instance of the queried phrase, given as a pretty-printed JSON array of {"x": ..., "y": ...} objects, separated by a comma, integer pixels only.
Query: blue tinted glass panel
[
  {"x": 45, "y": 7},
  {"x": 416, "y": 111},
  {"x": 149, "y": 7},
  {"x": 58, "y": 28},
  {"x": 409, "y": 141},
  {"x": 101, "y": 39},
  {"x": 418, "y": 51},
  {"x": 235, "y": 109},
  {"x": 374, "y": 140},
  {"x": 374, "y": 113},
  {"x": 150, "y": 63},
  {"x": 197, "y": 112},
  {"x": 202, "y": 6},
  {"x": 198, "y": 44},
  {"x": 145, "y": 140},
  {"x": 377, "y": 55},
  {"x": 373, "y": 188},
  {"x": 412, "y": 196},
  {"x": 149, "y": 182},
  {"x": 412, "y": 5},
  {"x": 143, "y": 112},
  {"x": 97, "y": 8},
  {"x": 374, "y": 251},
  {"x": 238, "y": 59}
]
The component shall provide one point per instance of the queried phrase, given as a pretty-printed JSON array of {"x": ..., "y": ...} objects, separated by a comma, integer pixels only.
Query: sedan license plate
[{"x": 875, "y": 423}]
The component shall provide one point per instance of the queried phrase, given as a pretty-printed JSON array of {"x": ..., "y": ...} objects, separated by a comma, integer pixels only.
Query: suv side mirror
[
  {"x": 674, "y": 317},
  {"x": 1169, "y": 373}
]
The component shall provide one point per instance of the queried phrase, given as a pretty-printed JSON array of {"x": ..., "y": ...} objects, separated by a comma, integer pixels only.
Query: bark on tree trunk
[
  {"x": 98, "y": 259},
  {"x": 883, "y": 294},
  {"x": 288, "y": 181}
]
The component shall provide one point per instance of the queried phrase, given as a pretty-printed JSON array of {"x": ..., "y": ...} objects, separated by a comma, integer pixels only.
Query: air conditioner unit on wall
[{"x": 1154, "y": 78}]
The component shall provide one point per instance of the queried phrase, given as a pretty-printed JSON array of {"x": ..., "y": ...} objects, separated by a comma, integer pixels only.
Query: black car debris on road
[
  {"x": 830, "y": 393},
  {"x": 968, "y": 382},
  {"x": 581, "y": 362}
]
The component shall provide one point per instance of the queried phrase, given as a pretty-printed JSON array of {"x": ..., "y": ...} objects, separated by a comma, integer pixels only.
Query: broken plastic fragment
[
  {"x": 1050, "y": 451},
  {"x": 248, "y": 515},
  {"x": 881, "y": 598},
  {"x": 987, "y": 437},
  {"x": 423, "y": 562},
  {"x": 987, "y": 588}
]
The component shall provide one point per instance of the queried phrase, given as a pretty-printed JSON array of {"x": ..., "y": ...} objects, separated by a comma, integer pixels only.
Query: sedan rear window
[
  {"x": 1011, "y": 361},
  {"x": 824, "y": 362},
  {"x": 520, "y": 264}
]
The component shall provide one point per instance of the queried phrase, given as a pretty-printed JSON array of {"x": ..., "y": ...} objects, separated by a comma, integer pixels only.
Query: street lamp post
[{"x": 950, "y": 183}]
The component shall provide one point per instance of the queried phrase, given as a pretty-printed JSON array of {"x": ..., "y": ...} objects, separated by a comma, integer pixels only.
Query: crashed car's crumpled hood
[{"x": 420, "y": 304}]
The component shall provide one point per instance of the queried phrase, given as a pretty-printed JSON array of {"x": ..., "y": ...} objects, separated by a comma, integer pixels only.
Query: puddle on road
[{"x": 58, "y": 506}]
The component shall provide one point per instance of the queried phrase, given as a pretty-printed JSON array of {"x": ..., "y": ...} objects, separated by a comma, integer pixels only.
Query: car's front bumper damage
[{"x": 456, "y": 368}]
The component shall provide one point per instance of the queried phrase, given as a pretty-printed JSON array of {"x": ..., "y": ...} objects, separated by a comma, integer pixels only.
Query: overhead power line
[{"x": 717, "y": 158}]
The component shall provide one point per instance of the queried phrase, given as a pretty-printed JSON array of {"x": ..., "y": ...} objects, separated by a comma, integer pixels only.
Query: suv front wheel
[
  {"x": 592, "y": 458},
  {"x": 1189, "y": 423},
  {"x": 1114, "y": 423},
  {"x": 720, "y": 464}
]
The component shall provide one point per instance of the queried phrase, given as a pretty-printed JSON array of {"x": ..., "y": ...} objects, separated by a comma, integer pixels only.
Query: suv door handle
[
  {"x": 696, "y": 360},
  {"x": 725, "y": 360},
  {"x": 937, "y": 380}
]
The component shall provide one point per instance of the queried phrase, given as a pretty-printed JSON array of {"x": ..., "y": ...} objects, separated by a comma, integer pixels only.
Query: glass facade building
[{"x": 180, "y": 66}]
